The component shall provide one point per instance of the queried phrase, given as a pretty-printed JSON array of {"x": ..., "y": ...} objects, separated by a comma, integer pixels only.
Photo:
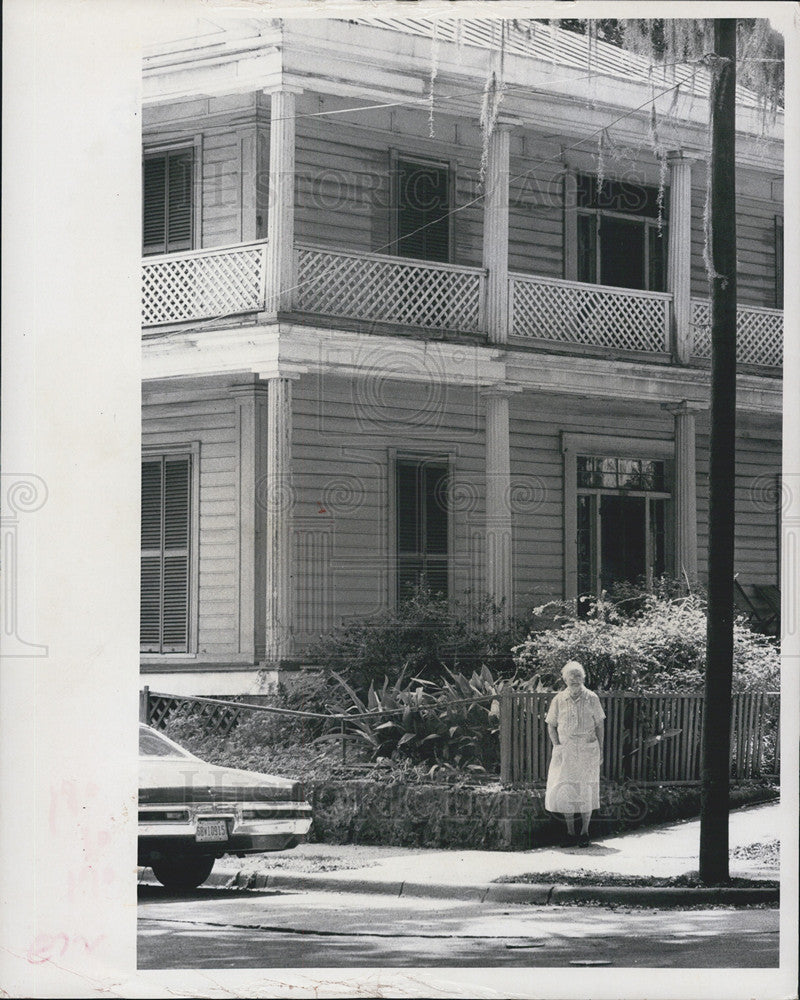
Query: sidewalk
[{"x": 662, "y": 851}]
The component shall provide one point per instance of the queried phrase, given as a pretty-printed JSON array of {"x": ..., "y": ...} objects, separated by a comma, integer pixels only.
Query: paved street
[{"x": 213, "y": 928}]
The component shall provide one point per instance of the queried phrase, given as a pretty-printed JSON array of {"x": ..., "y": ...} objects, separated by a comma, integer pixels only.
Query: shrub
[
  {"x": 651, "y": 643},
  {"x": 424, "y": 638}
]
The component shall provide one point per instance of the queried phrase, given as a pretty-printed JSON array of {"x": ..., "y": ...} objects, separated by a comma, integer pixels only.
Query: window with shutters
[
  {"x": 620, "y": 241},
  {"x": 421, "y": 525},
  {"x": 422, "y": 198},
  {"x": 168, "y": 201},
  {"x": 166, "y": 553}
]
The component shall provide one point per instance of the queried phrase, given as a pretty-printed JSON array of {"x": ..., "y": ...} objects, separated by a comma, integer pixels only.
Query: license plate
[{"x": 209, "y": 830}]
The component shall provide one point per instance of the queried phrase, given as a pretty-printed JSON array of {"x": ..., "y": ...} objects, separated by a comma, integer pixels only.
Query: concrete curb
[{"x": 493, "y": 892}]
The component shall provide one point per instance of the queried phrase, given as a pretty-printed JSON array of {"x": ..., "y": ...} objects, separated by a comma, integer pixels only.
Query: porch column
[
  {"x": 278, "y": 497},
  {"x": 251, "y": 403},
  {"x": 280, "y": 269},
  {"x": 679, "y": 257},
  {"x": 685, "y": 492},
  {"x": 499, "y": 562},
  {"x": 495, "y": 233}
]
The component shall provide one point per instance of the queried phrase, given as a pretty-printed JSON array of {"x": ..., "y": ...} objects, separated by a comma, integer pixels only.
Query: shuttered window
[
  {"x": 423, "y": 210},
  {"x": 422, "y": 526},
  {"x": 166, "y": 498},
  {"x": 168, "y": 197}
]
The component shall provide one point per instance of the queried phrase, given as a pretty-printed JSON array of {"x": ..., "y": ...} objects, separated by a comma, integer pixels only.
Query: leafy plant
[
  {"x": 452, "y": 722},
  {"x": 424, "y": 637}
]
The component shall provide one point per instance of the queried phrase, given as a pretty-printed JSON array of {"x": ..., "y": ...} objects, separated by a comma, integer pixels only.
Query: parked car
[{"x": 192, "y": 812}]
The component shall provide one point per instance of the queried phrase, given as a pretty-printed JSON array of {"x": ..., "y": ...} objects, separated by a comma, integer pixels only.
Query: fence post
[
  {"x": 506, "y": 711},
  {"x": 144, "y": 705}
]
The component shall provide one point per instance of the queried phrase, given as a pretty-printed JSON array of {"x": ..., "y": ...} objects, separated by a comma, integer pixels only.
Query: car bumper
[{"x": 162, "y": 839}]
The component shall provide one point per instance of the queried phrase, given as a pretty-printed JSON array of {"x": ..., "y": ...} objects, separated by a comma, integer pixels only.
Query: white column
[
  {"x": 679, "y": 259},
  {"x": 499, "y": 562},
  {"x": 280, "y": 269},
  {"x": 279, "y": 500},
  {"x": 685, "y": 492},
  {"x": 495, "y": 233}
]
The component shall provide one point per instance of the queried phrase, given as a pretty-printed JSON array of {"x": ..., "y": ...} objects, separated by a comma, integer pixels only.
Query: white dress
[{"x": 573, "y": 779}]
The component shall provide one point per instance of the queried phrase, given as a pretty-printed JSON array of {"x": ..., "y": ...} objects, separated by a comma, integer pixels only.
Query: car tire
[{"x": 182, "y": 872}]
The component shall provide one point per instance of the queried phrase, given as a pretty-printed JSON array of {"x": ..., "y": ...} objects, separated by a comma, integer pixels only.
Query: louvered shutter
[
  {"x": 150, "y": 582},
  {"x": 167, "y": 202},
  {"x": 154, "y": 204},
  {"x": 179, "y": 203},
  {"x": 423, "y": 206},
  {"x": 164, "y": 625}
]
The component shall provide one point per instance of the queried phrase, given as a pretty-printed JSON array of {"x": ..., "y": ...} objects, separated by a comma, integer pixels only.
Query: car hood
[{"x": 173, "y": 779}]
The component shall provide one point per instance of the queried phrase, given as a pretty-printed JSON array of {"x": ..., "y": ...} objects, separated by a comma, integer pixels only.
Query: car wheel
[{"x": 182, "y": 872}]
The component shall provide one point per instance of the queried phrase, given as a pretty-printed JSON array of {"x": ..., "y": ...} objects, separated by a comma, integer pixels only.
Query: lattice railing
[
  {"x": 211, "y": 718},
  {"x": 390, "y": 289},
  {"x": 203, "y": 284},
  {"x": 593, "y": 315},
  {"x": 759, "y": 334}
]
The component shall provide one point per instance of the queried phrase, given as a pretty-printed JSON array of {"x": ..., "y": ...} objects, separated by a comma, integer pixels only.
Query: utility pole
[{"x": 719, "y": 636}]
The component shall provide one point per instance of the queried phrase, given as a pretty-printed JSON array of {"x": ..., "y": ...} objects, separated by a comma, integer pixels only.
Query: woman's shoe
[
  {"x": 569, "y": 839},
  {"x": 583, "y": 840}
]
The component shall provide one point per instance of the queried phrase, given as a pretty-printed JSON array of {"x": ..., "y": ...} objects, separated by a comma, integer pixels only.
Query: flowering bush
[{"x": 655, "y": 643}]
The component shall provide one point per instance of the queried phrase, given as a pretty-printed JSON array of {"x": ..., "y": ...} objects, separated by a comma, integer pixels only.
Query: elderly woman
[{"x": 575, "y": 725}]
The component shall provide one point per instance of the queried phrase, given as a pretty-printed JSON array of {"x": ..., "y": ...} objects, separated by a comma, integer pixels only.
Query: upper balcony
[{"x": 228, "y": 284}]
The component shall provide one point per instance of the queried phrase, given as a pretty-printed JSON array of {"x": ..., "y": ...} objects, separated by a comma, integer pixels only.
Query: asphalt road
[{"x": 230, "y": 928}]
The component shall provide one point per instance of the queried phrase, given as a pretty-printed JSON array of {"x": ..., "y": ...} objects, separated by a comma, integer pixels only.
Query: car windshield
[{"x": 152, "y": 744}]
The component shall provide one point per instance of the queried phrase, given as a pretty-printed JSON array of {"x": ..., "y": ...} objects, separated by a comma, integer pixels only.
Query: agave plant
[{"x": 454, "y": 721}]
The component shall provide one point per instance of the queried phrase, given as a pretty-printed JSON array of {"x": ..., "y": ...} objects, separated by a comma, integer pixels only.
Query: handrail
[
  {"x": 543, "y": 279},
  {"x": 435, "y": 265},
  {"x": 176, "y": 255}
]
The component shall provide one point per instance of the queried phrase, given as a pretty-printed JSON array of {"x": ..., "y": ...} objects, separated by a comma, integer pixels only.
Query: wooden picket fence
[{"x": 648, "y": 738}]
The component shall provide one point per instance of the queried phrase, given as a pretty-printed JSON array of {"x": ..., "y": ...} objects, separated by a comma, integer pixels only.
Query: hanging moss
[{"x": 434, "y": 72}]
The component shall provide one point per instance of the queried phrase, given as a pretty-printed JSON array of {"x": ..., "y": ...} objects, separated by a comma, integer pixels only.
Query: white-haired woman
[{"x": 575, "y": 725}]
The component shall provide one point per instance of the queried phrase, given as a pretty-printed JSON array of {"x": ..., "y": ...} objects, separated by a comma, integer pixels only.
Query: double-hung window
[
  {"x": 421, "y": 525},
  {"x": 620, "y": 239},
  {"x": 422, "y": 199},
  {"x": 168, "y": 201},
  {"x": 165, "y": 553}
]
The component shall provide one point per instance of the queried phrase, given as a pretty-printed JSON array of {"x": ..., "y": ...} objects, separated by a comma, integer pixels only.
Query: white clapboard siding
[
  {"x": 207, "y": 417},
  {"x": 341, "y": 464},
  {"x": 758, "y": 461},
  {"x": 755, "y": 240}
]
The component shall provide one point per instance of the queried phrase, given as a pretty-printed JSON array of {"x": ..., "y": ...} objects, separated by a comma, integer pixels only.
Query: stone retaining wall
[{"x": 362, "y": 811}]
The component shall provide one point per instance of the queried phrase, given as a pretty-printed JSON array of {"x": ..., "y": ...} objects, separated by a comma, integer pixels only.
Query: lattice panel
[
  {"x": 586, "y": 314},
  {"x": 202, "y": 286},
  {"x": 759, "y": 334},
  {"x": 394, "y": 290},
  {"x": 214, "y": 718}
]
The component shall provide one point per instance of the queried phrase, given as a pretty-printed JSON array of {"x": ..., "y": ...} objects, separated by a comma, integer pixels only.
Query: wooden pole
[{"x": 719, "y": 637}]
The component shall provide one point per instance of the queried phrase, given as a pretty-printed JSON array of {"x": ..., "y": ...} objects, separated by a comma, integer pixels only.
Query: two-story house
[{"x": 431, "y": 299}]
